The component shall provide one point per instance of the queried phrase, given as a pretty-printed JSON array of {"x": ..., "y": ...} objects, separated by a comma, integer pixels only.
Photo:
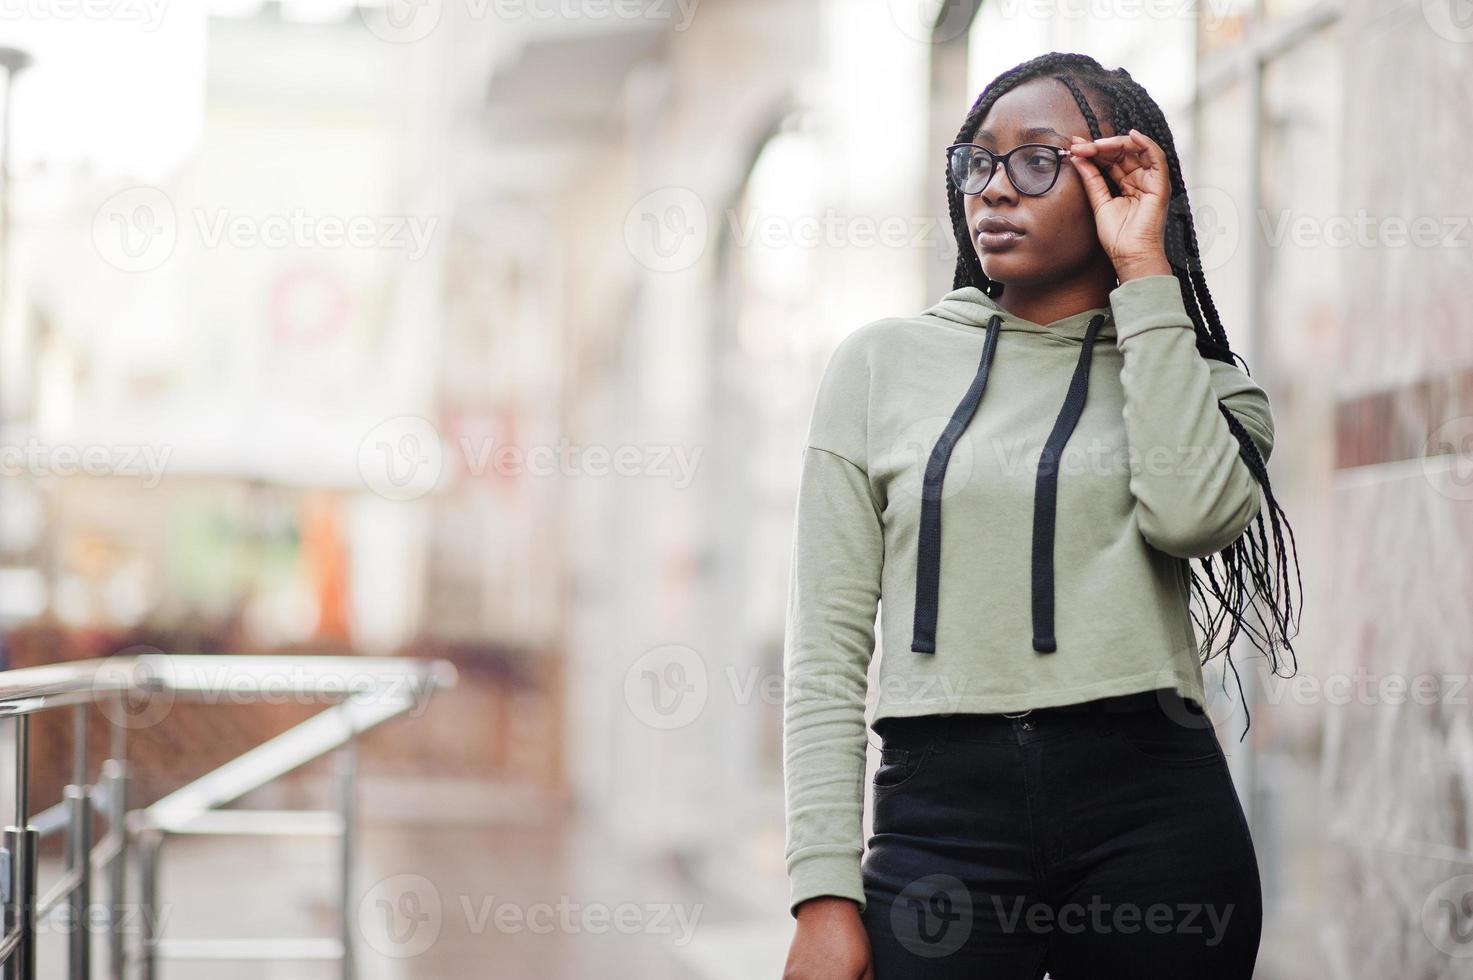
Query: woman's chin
[{"x": 1005, "y": 267}]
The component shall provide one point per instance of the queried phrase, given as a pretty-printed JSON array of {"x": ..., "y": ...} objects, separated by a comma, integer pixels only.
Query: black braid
[{"x": 1248, "y": 569}]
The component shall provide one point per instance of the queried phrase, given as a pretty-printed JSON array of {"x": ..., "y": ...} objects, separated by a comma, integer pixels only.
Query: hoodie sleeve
[
  {"x": 833, "y": 595},
  {"x": 1194, "y": 493}
]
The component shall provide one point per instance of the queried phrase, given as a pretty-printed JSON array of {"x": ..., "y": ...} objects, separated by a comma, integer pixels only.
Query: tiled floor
[
  {"x": 553, "y": 902},
  {"x": 530, "y": 899}
]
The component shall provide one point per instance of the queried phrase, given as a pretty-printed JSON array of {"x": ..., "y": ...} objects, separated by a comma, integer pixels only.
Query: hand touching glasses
[{"x": 1131, "y": 226}]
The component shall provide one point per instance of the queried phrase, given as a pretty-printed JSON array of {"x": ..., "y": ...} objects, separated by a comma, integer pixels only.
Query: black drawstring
[
  {"x": 928, "y": 546},
  {"x": 1045, "y": 497}
]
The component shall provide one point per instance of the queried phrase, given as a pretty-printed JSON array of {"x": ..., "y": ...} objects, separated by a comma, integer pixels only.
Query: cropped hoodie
[{"x": 1018, "y": 502}]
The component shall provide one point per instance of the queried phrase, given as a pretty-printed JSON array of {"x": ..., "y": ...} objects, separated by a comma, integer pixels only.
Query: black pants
[{"x": 1097, "y": 841}]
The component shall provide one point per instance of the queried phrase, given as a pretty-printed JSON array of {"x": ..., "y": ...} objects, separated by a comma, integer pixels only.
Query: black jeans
[{"x": 1100, "y": 840}]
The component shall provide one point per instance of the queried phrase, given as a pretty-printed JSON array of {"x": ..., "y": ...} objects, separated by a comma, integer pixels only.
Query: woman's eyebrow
[{"x": 1028, "y": 134}]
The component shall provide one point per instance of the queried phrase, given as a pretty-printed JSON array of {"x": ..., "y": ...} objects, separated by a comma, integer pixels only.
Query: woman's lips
[{"x": 996, "y": 240}]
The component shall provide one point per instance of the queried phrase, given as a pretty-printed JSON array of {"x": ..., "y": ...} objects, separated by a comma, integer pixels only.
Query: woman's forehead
[{"x": 1033, "y": 112}]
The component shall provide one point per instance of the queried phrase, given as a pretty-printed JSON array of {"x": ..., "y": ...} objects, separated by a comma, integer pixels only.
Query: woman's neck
[{"x": 1046, "y": 303}]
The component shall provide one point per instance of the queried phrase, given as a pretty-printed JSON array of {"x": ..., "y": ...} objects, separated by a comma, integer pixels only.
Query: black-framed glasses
[{"x": 1033, "y": 173}]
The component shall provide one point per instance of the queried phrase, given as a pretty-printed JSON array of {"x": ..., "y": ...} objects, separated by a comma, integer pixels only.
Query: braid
[{"x": 1239, "y": 575}]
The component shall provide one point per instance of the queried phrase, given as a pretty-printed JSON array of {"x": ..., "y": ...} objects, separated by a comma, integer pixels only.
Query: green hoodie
[{"x": 1050, "y": 584}]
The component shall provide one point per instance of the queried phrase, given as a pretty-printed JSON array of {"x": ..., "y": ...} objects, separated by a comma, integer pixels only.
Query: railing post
[
  {"x": 150, "y": 843},
  {"x": 21, "y": 842},
  {"x": 21, "y": 913},
  {"x": 79, "y": 744},
  {"x": 347, "y": 771},
  {"x": 79, "y": 840},
  {"x": 79, "y": 859},
  {"x": 115, "y": 772},
  {"x": 13, "y": 846}
]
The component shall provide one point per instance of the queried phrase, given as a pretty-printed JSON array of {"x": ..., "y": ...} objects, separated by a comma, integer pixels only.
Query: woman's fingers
[
  {"x": 1094, "y": 184},
  {"x": 1128, "y": 151},
  {"x": 1131, "y": 159}
]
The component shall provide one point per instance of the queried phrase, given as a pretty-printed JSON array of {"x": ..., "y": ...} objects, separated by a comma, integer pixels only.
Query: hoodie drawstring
[
  {"x": 928, "y": 546},
  {"x": 1045, "y": 497}
]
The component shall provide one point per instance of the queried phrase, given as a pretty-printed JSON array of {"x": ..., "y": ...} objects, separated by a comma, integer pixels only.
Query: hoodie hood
[{"x": 972, "y": 307}]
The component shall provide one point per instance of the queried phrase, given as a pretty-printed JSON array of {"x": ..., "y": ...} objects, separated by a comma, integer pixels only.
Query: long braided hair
[{"x": 1240, "y": 574}]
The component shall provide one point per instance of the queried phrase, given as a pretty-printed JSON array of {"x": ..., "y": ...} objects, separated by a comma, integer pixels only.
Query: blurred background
[{"x": 488, "y": 331}]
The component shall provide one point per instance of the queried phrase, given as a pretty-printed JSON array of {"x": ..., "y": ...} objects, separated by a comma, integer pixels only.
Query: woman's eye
[{"x": 1041, "y": 161}]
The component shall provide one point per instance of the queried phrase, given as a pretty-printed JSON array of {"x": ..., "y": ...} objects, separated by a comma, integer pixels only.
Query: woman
[{"x": 1051, "y": 795}]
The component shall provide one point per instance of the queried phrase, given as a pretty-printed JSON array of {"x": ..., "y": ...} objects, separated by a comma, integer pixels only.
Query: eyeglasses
[{"x": 972, "y": 166}]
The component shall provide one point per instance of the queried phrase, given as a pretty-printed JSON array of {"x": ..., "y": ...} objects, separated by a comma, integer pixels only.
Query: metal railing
[{"x": 361, "y": 692}]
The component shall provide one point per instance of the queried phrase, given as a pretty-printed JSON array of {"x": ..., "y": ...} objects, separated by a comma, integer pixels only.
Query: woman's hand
[
  {"x": 830, "y": 942},
  {"x": 1132, "y": 227}
]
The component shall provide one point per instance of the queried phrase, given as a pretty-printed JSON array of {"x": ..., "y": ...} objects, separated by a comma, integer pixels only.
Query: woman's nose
[{"x": 998, "y": 185}]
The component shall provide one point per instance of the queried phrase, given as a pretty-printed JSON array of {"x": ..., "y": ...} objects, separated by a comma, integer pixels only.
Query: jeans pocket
[
  {"x": 1159, "y": 740},
  {"x": 899, "y": 765}
]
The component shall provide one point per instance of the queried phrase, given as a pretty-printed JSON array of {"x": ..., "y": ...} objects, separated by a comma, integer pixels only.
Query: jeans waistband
[{"x": 1165, "y": 700}]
